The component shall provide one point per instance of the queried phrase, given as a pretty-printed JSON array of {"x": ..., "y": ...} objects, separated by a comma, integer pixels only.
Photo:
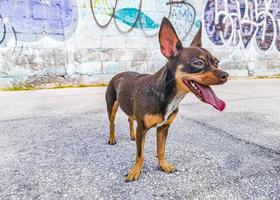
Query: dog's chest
[{"x": 171, "y": 107}]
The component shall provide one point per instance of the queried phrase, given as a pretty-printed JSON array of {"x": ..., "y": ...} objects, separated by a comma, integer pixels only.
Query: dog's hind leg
[
  {"x": 131, "y": 128},
  {"x": 112, "y": 107}
]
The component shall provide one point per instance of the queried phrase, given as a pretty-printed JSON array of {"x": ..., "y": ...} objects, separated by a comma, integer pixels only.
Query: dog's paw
[
  {"x": 133, "y": 174},
  {"x": 166, "y": 167},
  {"x": 133, "y": 137},
  {"x": 112, "y": 142}
]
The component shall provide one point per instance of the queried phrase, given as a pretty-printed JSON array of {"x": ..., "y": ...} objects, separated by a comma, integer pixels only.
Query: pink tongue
[{"x": 211, "y": 98}]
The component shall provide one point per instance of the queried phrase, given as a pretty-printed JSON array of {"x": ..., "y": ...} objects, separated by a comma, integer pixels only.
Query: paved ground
[{"x": 53, "y": 145}]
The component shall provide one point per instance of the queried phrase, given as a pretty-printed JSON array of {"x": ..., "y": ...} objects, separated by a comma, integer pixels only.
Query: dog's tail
[{"x": 110, "y": 96}]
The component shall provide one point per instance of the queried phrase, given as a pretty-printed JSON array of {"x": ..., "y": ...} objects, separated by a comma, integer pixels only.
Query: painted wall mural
[
  {"x": 125, "y": 15},
  {"x": 182, "y": 16},
  {"x": 129, "y": 16},
  {"x": 145, "y": 15},
  {"x": 110, "y": 36},
  {"x": 241, "y": 22},
  {"x": 32, "y": 20}
]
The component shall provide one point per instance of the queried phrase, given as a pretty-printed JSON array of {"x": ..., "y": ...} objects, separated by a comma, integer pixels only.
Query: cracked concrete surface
[{"x": 53, "y": 145}]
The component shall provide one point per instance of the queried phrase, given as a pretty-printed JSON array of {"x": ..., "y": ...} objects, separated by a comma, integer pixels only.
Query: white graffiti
[
  {"x": 182, "y": 16},
  {"x": 232, "y": 22}
]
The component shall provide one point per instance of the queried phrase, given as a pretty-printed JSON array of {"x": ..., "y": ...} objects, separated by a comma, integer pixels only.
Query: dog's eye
[{"x": 198, "y": 64}]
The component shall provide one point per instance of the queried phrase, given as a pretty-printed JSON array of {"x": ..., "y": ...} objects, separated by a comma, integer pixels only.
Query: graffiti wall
[
  {"x": 71, "y": 42},
  {"x": 34, "y": 19},
  {"x": 243, "y": 22}
]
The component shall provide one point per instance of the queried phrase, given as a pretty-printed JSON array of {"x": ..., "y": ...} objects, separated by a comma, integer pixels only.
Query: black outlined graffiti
[
  {"x": 137, "y": 13},
  {"x": 112, "y": 9},
  {"x": 5, "y": 32},
  {"x": 243, "y": 21},
  {"x": 131, "y": 16},
  {"x": 181, "y": 13},
  {"x": 182, "y": 16}
]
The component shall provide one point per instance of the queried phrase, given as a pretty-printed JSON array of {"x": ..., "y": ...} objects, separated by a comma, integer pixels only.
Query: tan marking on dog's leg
[
  {"x": 152, "y": 120},
  {"x": 162, "y": 133},
  {"x": 131, "y": 128},
  {"x": 135, "y": 171},
  {"x": 112, "y": 137},
  {"x": 171, "y": 117}
]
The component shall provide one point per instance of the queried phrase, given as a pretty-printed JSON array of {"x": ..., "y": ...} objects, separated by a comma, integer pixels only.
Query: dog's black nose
[{"x": 223, "y": 75}]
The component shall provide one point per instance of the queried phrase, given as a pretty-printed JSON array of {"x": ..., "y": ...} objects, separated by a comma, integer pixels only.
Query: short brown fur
[
  {"x": 152, "y": 100},
  {"x": 131, "y": 128}
]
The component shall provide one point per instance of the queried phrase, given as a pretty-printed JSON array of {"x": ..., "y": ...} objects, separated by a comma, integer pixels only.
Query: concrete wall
[{"x": 62, "y": 42}]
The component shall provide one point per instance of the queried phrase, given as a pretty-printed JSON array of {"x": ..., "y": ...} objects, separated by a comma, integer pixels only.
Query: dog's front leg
[
  {"x": 135, "y": 171},
  {"x": 162, "y": 133}
]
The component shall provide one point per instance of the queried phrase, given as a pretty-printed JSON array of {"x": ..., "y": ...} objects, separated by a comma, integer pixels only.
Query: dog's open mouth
[{"x": 205, "y": 94}]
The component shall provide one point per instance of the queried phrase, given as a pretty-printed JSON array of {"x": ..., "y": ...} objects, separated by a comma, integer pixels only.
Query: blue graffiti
[
  {"x": 198, "y": 23},
  {"x": 34, "y": 19},
  {"x": 129, "y": 17}
]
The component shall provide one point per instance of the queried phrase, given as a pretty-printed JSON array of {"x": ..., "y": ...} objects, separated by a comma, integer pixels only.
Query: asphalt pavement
[{"x": 53, "y": 145}]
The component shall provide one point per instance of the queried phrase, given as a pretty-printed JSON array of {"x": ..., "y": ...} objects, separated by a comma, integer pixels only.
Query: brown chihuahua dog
[{"x": 152, "y": 99}]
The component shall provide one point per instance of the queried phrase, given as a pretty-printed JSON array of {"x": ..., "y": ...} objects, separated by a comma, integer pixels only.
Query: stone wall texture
[{"x": 73, "y": 42}]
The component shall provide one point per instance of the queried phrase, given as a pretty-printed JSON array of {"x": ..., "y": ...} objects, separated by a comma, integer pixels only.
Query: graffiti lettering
[
  {"x": 182, "y": 17},
  {"x": 243, "y": 21},
  {"x": 180, "y": 13}
]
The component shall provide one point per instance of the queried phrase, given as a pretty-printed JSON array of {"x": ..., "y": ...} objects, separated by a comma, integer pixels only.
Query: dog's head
[{"x": 194, "y": 68}]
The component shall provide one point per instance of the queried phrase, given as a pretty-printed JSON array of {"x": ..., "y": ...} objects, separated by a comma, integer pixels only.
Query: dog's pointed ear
[
  {"x": 197, "y": 38},
  {"x": 170, "y": 44}
]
